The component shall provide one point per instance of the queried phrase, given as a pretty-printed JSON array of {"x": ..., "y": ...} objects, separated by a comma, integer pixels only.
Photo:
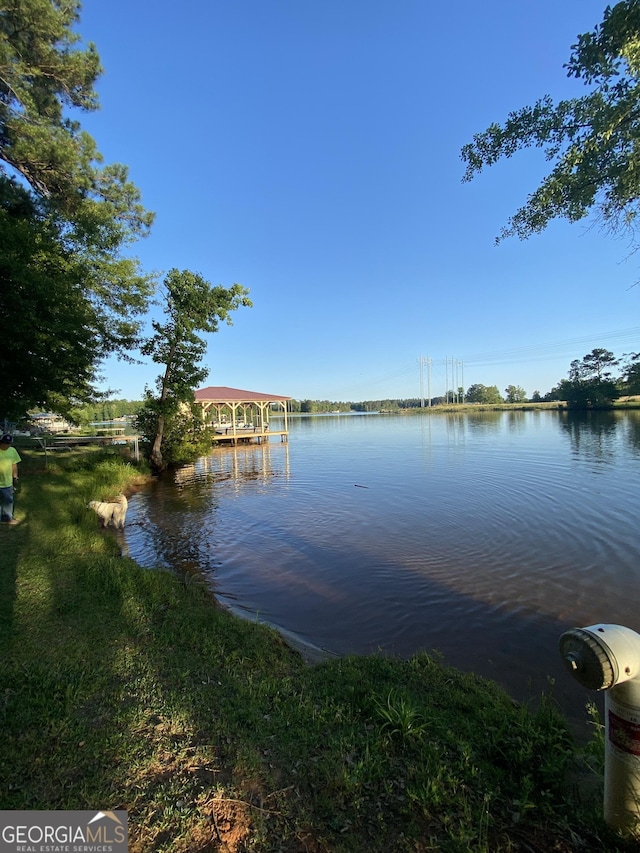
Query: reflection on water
[
  {"x": 173, "y": 523},
  {"x": 245, "y": 462},
  {"x": 594, "y": 435},
  {"x": 483, "y": 535}
]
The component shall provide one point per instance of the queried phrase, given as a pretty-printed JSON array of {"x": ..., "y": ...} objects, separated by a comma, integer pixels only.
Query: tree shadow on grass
[{"x": 12, "y": 540}]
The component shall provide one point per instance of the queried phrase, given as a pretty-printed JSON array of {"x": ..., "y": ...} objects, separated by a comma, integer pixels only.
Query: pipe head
[{"x": 601, "y": 656}]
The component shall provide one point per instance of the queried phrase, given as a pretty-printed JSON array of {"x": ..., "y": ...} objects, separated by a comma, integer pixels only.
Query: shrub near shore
[{"x": 127, "y": 688}]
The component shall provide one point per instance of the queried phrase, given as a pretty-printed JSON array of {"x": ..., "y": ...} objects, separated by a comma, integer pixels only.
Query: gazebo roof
[{"x": 223, "y": 394}]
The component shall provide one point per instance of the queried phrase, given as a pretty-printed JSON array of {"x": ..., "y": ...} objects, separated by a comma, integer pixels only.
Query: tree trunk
[{"x": 155, "y": 457}]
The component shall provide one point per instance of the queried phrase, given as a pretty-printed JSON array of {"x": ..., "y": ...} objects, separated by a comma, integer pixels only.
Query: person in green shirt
[{"x": 9, "y": 459}]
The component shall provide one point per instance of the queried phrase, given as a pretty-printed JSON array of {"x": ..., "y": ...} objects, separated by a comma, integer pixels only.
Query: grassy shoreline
[{"x": 122, "y": 687}]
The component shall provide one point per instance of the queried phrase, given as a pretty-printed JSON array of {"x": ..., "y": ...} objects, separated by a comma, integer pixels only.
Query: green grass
[{"x": 128, "y": 688}]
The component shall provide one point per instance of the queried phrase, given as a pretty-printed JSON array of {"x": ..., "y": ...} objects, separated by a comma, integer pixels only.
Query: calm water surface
[{"x": 483, "y": 536}]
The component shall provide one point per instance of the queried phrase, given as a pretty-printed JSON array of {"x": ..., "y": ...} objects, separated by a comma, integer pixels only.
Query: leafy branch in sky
[{"x": 593, "y": 141}]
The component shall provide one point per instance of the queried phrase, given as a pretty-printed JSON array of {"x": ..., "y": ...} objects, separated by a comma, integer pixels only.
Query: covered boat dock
[{"x": 239, "y": 416}]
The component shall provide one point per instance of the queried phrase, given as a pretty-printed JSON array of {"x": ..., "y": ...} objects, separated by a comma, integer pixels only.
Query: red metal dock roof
[{"x": 223, "y": 394}]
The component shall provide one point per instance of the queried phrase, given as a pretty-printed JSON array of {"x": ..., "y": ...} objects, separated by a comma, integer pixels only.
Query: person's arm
[{"x": 15, "y": 470}]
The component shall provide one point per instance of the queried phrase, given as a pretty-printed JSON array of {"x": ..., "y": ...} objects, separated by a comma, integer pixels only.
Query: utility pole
[
  {"x": 446, "y": 379},
  {"x": 422, "y": 361},
  {"x": 454, "y": 379}
]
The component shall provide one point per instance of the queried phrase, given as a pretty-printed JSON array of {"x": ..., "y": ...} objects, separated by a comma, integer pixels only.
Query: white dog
[{"x": 113, "y": 512}]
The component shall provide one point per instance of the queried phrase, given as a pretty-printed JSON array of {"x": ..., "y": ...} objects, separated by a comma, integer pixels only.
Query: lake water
[{"x": 483, "y": 536}]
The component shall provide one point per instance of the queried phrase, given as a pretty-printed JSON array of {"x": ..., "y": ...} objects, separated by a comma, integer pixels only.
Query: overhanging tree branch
[{"x": 593, "y": 141}]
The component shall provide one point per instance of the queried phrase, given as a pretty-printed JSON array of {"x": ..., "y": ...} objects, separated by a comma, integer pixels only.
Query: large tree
[
  {"x": 591, "y": 381},
  {"x": 515, "y": 394},
  {"x": 192, "y": 306},
  {"x": 631, "y": 373},
  {"x": 489, "y": 395},
  {"x": 49, "y": 341},
  {"x": 593, "y": 141},
  {"x": 82, "y": 215}
]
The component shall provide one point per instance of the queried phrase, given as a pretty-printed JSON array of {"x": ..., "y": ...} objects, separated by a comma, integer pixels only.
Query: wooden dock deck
[{"x": 227, "y": 435}]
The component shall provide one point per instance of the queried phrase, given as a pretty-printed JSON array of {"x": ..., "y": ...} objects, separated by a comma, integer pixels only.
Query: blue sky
[{"x": 310, "y": 150}]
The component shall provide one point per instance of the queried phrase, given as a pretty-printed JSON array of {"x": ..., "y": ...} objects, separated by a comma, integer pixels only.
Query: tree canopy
[
  {"x": 478, "y": 393},
  {"x": 591, "y": 382},
  {"x": 593, "y": 141},
  {"x": 631, "y": 373},
  {"x": 45, "y": 72},
  {"x": 66, "y": 219},
  {"x": 49, "y": 343},
  {"x": 515, "y": 394}
]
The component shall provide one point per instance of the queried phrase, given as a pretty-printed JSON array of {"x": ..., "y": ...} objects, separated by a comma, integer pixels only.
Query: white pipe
[
  {"x": 622, "y": 757},
  {"x": 607, "y": 657}
]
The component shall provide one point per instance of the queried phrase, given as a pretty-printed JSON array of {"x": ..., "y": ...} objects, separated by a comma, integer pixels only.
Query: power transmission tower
[{"x": 422, "y": 361}]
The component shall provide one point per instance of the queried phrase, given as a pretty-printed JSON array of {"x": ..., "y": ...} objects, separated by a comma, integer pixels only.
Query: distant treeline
[
  {"x": 105, "y": 410},
  {"x": 110, "y": 409},
  {"x": 325, "y": 406}
]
